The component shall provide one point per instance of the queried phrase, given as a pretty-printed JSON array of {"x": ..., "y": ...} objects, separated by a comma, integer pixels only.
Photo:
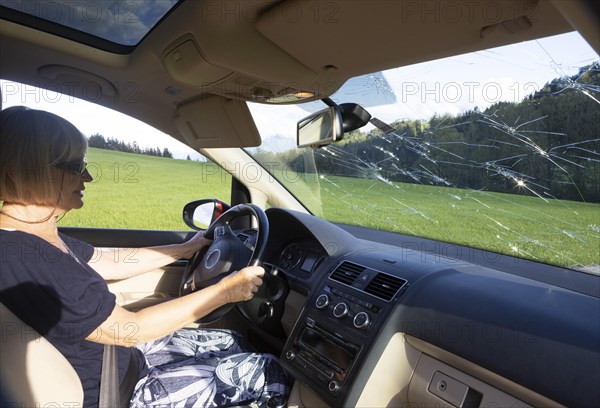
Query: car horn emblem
[{"x": 212, "y": 259}]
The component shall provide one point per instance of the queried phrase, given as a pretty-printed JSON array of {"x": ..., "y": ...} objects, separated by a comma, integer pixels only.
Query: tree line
[{"x": 99, "y": 141}]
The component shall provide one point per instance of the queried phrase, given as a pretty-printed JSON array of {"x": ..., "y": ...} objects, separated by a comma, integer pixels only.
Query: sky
[
  {"x": 451, "y": 85},
  {"x": 102, "y": 19}
]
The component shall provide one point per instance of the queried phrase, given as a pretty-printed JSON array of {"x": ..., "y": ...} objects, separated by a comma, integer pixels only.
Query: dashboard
[{"x": 468, "y": 333}]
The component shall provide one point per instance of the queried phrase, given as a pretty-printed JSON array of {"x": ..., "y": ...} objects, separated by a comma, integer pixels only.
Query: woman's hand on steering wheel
[
  {"x": 241, "y": 286},
  {"x": 194, "y": 244}
]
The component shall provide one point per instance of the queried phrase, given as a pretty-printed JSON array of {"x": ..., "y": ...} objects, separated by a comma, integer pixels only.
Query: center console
[{"x": 337, "y": 326}]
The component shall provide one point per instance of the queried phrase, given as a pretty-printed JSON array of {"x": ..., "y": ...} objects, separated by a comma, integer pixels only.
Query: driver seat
[{"x": 33, "y": 372}]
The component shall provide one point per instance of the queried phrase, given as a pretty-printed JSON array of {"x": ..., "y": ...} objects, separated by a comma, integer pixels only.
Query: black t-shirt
[{"x": 62, "y": 299}]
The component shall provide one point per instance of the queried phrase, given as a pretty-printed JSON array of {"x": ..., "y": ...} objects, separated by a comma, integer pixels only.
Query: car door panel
[{"x": 126, "y": 238}]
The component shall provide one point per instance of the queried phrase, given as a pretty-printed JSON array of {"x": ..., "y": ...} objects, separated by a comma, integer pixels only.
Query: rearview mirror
[
  {"x": 320, "y": 128},
  {"x": 200, "y": 214}
]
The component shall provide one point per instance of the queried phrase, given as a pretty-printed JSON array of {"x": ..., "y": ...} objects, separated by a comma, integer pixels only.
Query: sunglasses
[{"x": 74, "y": 167}]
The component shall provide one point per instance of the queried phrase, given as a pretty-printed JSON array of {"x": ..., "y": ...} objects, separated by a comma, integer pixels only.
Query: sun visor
[{"x": 215, "y": 122}]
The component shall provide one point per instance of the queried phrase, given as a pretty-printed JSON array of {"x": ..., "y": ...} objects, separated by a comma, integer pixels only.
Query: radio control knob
[
  {"x": 340, "y": 310},
  {"x": 290, "y": 355},
  {"x": 361, "y": 320},
  {"x": 322, "y": 302},
  {"x": 334, "y": 386}
]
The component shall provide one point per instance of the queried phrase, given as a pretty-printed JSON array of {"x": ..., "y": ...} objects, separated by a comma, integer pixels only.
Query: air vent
[
  {"x": 347, "y": 273},
  {"x": 384, "y": 286}
]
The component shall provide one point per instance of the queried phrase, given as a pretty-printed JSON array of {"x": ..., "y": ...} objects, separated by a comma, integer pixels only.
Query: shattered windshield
[{"x": 498, "y": 150}]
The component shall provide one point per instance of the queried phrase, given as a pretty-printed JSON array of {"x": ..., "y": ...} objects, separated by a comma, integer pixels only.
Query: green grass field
[
  {"x": 553, "y": 231},
  {"x": 142, "y": 192}
]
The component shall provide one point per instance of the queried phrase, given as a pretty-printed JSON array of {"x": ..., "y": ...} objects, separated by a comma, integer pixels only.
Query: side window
[{"x": 142, "y": 177}]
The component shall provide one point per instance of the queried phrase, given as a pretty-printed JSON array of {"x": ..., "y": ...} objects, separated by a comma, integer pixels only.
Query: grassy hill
[
  {"x": 559, "y": 232},
  {"x": 144, "y": 192}
]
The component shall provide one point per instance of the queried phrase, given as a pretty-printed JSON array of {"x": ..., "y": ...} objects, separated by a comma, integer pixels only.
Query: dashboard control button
[
  {"x": 322, "y": 301},
  {"x": 340, "y": 310},
  {"x": 290, "y": 355},
  {"x": 334, "y": 387},
  {"x": 219, "y": 231},
  {"x": 361, "y": 320}
]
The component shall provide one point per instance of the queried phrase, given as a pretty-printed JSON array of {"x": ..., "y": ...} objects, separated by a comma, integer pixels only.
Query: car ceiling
[{"x": 270, "y": 50}]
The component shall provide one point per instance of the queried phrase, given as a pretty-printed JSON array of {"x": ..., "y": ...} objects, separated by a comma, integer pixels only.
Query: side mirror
[
  {"x": 320, "y": 128},
  {"x": 200, "y": 214}
]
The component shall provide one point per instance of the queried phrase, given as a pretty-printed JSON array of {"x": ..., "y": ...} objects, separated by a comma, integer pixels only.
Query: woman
[{"x": 57, "y": 285}]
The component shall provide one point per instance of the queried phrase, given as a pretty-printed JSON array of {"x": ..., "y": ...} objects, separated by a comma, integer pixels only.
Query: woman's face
[{"x": 69, "y": 182}]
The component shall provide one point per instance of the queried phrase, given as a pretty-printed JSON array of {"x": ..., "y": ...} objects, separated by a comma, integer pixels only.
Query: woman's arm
[
  {"x": 125, "y": 328},
  {"x": 115, "y": 264}
]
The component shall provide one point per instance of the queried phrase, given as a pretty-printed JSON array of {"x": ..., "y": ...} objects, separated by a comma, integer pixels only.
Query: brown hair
[{"x": 31, "y": 142}]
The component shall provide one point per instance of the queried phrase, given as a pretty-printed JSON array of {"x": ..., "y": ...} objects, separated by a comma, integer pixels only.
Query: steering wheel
[{"x": 227, "y": 254}]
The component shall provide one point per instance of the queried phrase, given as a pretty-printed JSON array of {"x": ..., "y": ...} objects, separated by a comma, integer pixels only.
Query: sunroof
[{"x": 120, "y": 22}]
